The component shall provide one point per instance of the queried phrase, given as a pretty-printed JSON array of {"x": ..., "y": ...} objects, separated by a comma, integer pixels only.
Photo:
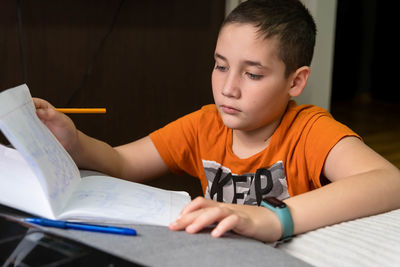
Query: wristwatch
[{"x": 282, "y": 210}]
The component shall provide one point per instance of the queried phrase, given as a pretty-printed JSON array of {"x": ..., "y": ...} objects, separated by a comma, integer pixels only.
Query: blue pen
[{"x": 81, "y": 226}]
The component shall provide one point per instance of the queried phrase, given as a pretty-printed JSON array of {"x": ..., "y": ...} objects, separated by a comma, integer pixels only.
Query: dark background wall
[
  {"x": 366, "y": 51},
  {"x": 148, "y": 62}
]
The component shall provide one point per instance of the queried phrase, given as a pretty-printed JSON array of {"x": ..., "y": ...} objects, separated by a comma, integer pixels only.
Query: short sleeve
[
  {"x": 176, "y": 143},
  {"x": 324, "y": 133}
]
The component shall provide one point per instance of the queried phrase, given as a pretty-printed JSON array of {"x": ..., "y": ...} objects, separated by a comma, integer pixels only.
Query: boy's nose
[{"x": 231, "y": 86}]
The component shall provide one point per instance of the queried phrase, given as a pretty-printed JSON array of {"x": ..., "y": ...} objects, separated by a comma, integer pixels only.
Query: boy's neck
[{"x": 248, "y": 143}]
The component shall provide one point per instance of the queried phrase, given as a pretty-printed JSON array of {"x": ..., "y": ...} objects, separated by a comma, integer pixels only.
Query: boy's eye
[
  {"x": 254, "y": 76},
  {"x": 220, "y": 68}
]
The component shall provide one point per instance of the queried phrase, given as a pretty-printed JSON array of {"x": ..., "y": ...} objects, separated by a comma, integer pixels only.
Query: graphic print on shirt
[{"x": 248, "y": 188}]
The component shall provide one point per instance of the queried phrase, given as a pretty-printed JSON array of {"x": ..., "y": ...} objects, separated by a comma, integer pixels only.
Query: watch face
[{"x": 275, "y": 202}]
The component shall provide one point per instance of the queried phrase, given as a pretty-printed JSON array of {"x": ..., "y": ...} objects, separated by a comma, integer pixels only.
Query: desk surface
[{"x": 158, "y": 246}]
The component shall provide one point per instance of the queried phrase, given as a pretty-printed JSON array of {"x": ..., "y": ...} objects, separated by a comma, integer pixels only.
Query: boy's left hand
[{"x": 243, "y": 219}]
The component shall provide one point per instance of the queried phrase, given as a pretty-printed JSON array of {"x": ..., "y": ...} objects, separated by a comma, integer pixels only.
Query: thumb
[
  {"x": 46, "y": 114},
  {"x": 42, "y": 113}
]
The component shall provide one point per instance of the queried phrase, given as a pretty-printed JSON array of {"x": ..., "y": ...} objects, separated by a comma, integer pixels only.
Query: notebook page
[
  {"x": 101, "y": 198},
  {"x": 57, "y": 173},
  {"x": 19, "y": 188}
]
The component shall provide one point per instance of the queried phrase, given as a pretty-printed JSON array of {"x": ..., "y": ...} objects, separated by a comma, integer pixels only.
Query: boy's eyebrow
[
  {"x": 254, "y": 63},
  {"x": 246, "y": 62},
  {"x": 220, "y": 57}
]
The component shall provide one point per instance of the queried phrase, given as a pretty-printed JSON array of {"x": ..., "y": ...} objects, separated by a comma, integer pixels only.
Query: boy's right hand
[
  {"x": 58, "y": 123},
  {"x": 136, "y": 161}
]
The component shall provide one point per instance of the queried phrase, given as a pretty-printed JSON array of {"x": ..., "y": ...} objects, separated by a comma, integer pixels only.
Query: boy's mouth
[{"x": 229, "y": 110}]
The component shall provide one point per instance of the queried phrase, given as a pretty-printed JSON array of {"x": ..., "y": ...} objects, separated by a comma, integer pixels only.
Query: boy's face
[{"x": 249, "y": 84}]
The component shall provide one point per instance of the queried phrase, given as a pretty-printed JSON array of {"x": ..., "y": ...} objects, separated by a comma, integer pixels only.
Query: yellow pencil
[{"x": 81, "y": 110}]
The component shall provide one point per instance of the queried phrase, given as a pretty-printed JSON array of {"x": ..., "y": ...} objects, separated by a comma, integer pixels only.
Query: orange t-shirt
[{"x": 201, "y": 145}]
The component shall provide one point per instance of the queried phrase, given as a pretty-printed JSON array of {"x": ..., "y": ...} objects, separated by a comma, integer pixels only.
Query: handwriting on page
[
  {"x": 124, "y": 201},
  {"x": 43, "y": 150},
  {"x": 49, "y": 161},
  {"x": 116, "y": 204}
]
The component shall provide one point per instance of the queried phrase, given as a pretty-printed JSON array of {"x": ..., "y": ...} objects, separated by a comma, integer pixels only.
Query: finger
[
  {"x": 225, "y": 225},
  {"x": 184, "y": 220},
  {"x": 197, "y": 203},
  {"x": 41, "y": 103},
  {"x": 44, "y": 109},
  {"x": 208, "y": 217},
  {"x": 46, "y": 114}
]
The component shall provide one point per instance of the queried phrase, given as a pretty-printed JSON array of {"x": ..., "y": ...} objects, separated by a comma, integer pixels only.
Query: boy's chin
[{"x": 233, "y": 124}]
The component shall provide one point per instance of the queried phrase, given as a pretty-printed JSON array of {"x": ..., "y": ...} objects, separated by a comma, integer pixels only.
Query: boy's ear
[{"x": 299, "y": 81}]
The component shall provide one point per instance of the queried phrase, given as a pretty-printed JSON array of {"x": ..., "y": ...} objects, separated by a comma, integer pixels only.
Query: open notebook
[{"x": 40, "y": 177}]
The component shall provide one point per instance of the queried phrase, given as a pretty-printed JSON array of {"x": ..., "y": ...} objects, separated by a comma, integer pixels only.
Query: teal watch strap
[{"x": 283, "y": 212}]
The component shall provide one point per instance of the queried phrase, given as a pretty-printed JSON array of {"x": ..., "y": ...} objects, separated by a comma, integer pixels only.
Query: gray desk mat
[{"x": 158, "y": 246}]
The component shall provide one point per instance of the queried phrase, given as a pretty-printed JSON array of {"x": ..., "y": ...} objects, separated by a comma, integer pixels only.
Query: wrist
[
  {"x": 76, "y": 148},
  {"x": 276, "y": 226},
  {"x": 282, "y": 214},
  {"x": 268, "y": 227}
]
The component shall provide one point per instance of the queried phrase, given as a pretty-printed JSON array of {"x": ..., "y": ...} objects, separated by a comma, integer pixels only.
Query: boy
[{"x": 254, "y": 142}]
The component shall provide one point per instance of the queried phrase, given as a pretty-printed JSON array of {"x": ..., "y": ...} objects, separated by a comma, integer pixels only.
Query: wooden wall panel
[{"x": 154, "y": 67}]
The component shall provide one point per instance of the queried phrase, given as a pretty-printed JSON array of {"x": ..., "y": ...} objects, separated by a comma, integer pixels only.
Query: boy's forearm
[
  {"x": 137, "y": 161},
  {"x": 93, "y": 154},
  {"x": 353, "y": 197}
]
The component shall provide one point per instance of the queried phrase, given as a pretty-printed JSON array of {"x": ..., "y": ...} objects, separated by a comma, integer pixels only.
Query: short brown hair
[{"x": 287, "y": 20}]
